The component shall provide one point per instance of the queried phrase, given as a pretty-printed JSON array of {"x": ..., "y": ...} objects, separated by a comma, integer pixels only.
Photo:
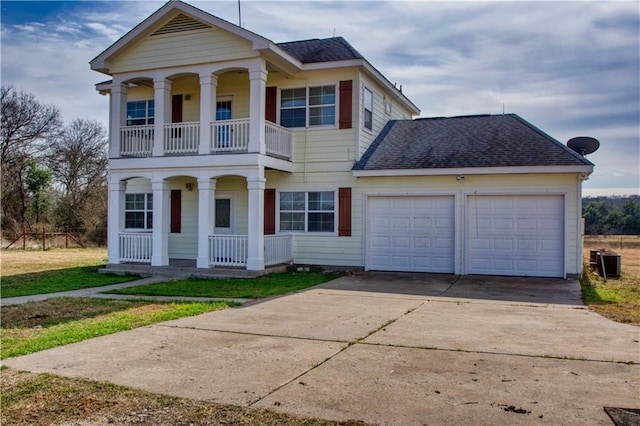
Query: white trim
[
  {"x": 473, "y": 171},
  {"x": 215, "y": 164}
]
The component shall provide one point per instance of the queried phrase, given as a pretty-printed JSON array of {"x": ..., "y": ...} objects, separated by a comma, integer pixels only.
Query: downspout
[{"x": 580, "y": 178}]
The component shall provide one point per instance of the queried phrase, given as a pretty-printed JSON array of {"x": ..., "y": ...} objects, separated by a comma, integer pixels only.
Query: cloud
[{"x": 570, "y": 68}]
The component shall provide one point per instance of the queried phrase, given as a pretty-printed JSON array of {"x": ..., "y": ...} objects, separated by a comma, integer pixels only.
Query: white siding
[{"x": 183, "y": 48}]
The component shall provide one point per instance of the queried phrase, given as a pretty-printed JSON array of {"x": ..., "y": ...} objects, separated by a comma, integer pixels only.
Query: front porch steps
[{"x": 185, "y": 269}]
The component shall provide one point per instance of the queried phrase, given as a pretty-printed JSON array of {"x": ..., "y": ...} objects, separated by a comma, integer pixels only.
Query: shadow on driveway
[{"x": 477, "y": 287}]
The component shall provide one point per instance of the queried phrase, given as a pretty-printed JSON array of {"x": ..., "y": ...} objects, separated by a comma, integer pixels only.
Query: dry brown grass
[
  {"x": 619, "y": 297},
  {"x": 43, "y": 399},
  {"x": 15, "y": 262}
]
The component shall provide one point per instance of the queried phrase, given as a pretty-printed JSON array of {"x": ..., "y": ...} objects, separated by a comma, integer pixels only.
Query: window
[
  {"x": 313, "y": 106},
  {"x": 368, "y": 109},
  {"x": 307, "y": 211},
  {"x": 140, "y": 112},
  {"x": 138, "y": 211}
]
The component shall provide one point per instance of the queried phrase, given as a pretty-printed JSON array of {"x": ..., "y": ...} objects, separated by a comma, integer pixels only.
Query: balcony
[{"x": 227, "y": 137}]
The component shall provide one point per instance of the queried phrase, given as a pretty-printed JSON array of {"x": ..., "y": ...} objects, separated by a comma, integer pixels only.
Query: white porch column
[
  {"x": 208, "y": 86},
  {"x": 160, "y": 256},
  {"x": 257, "y": 89},
  {"x": 206, "y": 218},
  {"x": 255, "y": 260},
  {"x": 162, "y": 99},
  {"x": 117, "y": 116},
  {"x": 115, "y": 218}
]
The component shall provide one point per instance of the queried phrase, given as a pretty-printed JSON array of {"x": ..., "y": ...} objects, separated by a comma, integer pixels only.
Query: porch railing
[
  {"x": 278, "y": 140},
  {"x": 277, "y": 249},
  {"x": 135, "y": 247},
  {"x": 232, "y": 250},
  {"x": 181, "y": 138},
  {"x": 136, "y": 141},
  {"x": 230, "y": 135},
  {"x": 228, "y": 250}
]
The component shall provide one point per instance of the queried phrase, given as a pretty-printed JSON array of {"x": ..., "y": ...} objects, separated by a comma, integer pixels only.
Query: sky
[{"x": 569, "y": 68}]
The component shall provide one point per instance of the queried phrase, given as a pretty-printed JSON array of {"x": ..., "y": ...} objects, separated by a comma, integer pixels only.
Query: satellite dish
[{"x": 584, "y": 145}]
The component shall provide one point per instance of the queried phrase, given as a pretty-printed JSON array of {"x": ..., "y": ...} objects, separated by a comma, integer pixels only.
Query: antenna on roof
[
  {"x": 503, "y": 108},
  {"x": 239, "y": 15},
  {"x": 334, "y": 32},
  {"x": 584, "y": 145}
]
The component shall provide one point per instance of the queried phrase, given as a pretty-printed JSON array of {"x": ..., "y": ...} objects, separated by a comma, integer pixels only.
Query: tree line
[
  {"x": 53, "y": 174},
  {"x": 612, "y": 215}
]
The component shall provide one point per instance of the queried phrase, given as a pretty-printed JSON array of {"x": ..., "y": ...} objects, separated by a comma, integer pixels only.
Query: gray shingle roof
[
  {"x": 461, "y": 142},
  {"x": 321, "y": 50}
]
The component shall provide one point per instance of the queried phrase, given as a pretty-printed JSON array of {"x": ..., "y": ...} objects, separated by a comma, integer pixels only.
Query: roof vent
[{"x": 179, "y": 24}]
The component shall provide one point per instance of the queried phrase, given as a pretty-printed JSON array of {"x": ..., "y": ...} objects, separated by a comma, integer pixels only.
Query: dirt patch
[
  {"x": 43, "y": 399},
  {"x": 55, "y": 311}
]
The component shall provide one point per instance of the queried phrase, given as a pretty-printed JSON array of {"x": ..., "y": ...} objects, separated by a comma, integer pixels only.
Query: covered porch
[{"x": 203, "y": 220}]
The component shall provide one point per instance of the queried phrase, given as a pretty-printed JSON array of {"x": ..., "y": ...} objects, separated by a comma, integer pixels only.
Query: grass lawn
[
  {"x": 36, "y": 326},
  {"x": 38, "y": 272},
  {"x": 618, "y": 298},
  {"x": 265, "y": 286}
]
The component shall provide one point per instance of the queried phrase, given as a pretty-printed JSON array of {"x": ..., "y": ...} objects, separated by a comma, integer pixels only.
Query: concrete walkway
[
  {"x": 98, "y": 292},
  {"x": 397, "y": 349}
]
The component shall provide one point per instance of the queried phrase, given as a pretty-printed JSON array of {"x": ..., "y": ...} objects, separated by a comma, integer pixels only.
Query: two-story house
[{"x": 229, "y": 150}]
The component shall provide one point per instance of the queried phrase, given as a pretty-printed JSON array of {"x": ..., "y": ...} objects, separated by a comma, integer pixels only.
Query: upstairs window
[
  {"x": 368, "y": 109},
  {"x": 138, "y": 211},
  {"x": 312, "y": 106},
  {"x": 307, "y": 211},
  {"x": 140, "y": 113}
]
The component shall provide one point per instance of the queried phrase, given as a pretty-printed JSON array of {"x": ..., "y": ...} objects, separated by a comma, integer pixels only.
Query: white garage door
[
  {"x": 515, "y": 235},
  {"x": 413, "y": 234}
]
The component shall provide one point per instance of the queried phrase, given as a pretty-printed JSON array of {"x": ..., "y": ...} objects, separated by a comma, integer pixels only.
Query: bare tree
[
  {"x": 26, "y": 124},
  {"x": 78, "y": 160}
]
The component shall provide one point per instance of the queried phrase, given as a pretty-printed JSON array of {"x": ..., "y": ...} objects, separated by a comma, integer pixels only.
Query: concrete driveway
[{"x": 388, "y": 349}]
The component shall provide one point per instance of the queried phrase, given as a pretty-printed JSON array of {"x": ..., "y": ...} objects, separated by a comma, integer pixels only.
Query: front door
[
  {"x": 223, "y": 112},
  {"x": 224, "y": 216}
]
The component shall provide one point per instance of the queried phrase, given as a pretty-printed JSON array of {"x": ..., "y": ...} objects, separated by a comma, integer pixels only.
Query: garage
[
  {"x": 410, "y": 233},
  {"x": 516, "y": 235}
]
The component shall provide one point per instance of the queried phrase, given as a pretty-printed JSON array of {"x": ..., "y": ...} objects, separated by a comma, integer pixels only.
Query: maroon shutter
[
  {"x": 270, "y": 108},
  {"x": 344, "y": 212},
  {"x": 176, "y": 210},
  {"x": 346, "y": 99},
  {"x": 176, "y": 109},
  {"x": 269, "y": 211}
]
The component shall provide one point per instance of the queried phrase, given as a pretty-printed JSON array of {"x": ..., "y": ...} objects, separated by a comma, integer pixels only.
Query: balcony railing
[
  {"x": 227, "y": 136},
  {"x": 181, "y": 138},
  {"x": 135, "y": 247},
  {"x": 230, "y": 135},
  {"x": 278, "y": 139},
  {"x": 136, "y": 141}
]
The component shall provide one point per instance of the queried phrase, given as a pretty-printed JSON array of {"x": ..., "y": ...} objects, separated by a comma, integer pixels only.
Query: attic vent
[{"x": 180, "y": 23}]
